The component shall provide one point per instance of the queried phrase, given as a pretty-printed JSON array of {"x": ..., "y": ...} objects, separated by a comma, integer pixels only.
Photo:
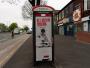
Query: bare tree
[
  {"x": 27, "y": 10},
  {"x": 15, "y": 2}
]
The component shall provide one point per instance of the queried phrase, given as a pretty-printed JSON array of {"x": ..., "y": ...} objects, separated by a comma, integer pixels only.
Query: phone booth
[{"x": 43, "y": 34}]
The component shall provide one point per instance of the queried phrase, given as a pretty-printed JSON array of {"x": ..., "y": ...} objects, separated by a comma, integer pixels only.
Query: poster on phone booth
[{"x": 43, "y": 38}]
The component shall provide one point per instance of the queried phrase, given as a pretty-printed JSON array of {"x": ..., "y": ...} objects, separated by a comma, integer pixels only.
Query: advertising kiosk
[{"x": 43, "y": 34}]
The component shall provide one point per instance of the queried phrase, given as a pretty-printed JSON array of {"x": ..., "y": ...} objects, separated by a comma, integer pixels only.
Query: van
[{"x": 16, "y": 31}]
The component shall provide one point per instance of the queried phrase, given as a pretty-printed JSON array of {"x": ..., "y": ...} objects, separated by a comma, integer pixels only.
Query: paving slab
[{"x": 68, "y": 54}]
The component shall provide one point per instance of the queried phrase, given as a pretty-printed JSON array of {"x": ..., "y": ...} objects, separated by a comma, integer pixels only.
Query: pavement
[{"x": 69, "y": 53}]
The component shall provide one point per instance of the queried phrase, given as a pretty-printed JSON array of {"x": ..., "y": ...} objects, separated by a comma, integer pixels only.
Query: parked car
[{"x": 29, "y": 32}]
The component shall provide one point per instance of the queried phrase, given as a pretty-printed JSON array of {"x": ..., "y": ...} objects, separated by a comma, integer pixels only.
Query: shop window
[
  {"x": 85, "y": 26},
  {"x": 75, "y": 29},
  {"x": 79, "y": 27},
  {"x": 69, "y": 28}
]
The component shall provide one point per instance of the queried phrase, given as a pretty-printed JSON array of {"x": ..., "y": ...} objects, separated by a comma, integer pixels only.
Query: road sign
[{"x": 43, "y": 34}]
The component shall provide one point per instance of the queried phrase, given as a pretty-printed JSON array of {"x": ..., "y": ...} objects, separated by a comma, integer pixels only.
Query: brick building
[
  {"x": 74, "y": 20},
  {"x": 83, "y": 33},
  {"x": 64, "y": 20}
]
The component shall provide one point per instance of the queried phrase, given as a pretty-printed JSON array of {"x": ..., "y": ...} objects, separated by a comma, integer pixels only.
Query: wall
[{"x": 83, "y": 36}]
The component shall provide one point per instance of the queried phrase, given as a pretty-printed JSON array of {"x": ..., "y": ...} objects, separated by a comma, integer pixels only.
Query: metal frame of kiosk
[{"x": 43, "y": 34}]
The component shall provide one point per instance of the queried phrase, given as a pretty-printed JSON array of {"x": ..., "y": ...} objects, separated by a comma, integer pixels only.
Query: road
[
  {"x": 68, "y": 54},
  {"x": 7, "y": 36},
  {"x": 4, "y": 36},
  {"x": 8, "y": 48}
]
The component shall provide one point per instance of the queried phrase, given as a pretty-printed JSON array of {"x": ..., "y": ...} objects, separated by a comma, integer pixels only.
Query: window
[
  {"x": 85, "y": 26},
  {"x": 86, "y": 4}
]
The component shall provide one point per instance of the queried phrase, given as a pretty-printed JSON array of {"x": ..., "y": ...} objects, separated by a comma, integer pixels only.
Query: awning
[
  {"x": 65, "y": 20},
  {"x": 85, "y": 18}
]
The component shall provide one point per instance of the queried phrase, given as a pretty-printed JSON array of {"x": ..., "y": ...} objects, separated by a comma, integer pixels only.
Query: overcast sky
[
  {"x": 57, "y": 4},
  {"x": 12, "y": 12}
]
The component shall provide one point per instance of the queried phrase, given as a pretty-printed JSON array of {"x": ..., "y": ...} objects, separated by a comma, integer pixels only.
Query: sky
[
  {"x": 12, "y": 12},
  {"x": 57, "y": 4}
]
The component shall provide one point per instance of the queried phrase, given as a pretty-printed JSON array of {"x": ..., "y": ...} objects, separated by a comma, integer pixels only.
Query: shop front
[
  {"x": 84, "y": 35},
  {"x": 82, "y": 26},
  {"x": 68, "y": 27}
]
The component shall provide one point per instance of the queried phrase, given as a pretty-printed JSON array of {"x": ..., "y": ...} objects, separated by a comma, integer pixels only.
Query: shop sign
[
  {"x": 85, "y": 18},
  {"x": 43, "y": 21},
  {"x": 77, "y": 15},
  {"x": 43, "y": 9}
]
